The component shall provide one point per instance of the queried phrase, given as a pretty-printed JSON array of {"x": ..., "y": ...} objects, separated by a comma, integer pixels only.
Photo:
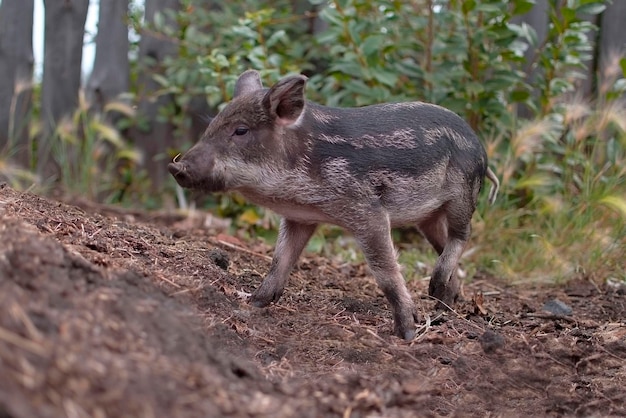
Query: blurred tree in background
[{"x": 16, "y": 78}]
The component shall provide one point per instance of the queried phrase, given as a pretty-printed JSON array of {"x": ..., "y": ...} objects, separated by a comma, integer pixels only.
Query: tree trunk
[
  {"x": 538, "y": 19},
  {"x": 612, "y": 44},
  {"x": 587, "y": 87},
  {"x": 111, "y": 70},
  {"x": 16, "y": 77},
  {"x": 155, "y": 136},
  {"x": 63, "y": 52}
]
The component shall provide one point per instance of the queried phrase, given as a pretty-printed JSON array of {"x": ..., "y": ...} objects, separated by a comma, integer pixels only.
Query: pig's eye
[{"x": 242, "y": 130}]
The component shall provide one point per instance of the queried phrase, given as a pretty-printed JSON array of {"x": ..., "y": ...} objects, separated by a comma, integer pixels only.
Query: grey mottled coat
[{"x": 365, "y": 169}]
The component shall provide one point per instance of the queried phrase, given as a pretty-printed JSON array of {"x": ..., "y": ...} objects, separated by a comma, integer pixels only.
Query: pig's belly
[
  {"x": 412, "y": 212},
  {"x": 302, "y": 214},
  {"x": 298, "y": 212},
  {"x": 403, "y": 210}
]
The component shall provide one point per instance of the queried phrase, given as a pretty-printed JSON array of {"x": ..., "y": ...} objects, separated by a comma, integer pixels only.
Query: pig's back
[{"x": 405, "y": 138}]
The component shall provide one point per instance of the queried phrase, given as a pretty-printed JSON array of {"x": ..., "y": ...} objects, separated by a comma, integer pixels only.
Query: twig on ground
[
  {"x": 548, "y": 316},
  {"x": 22, "y": 342},
  {"x": 242, "y": 249}
]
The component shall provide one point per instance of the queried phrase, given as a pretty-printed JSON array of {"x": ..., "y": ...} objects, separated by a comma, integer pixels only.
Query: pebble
[
  {"x": 219, "y": 258},
  {"x": 556, "y": 307},
  {"x": 490, "y": 341}
]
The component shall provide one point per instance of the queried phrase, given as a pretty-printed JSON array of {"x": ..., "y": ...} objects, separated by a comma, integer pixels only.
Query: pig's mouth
[{"x": 190, "y": 180}]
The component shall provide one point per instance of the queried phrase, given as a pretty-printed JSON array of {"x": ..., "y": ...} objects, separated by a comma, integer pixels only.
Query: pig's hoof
[
  {"x": 445, "y": 296},
  {"x": 259, "y": 303},
  {"x": 443, "y": 306},
  {"x": 261, "y": 299},
  {"x": 409, "y": 334},
  {"x": 405, "y": 327},
  {"x": 445, "y": 302}
]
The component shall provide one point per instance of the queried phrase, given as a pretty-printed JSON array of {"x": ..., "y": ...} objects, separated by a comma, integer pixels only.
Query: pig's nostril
[
  {"x": 180, "y": 173},
  {"x": 175, "y": 168}
]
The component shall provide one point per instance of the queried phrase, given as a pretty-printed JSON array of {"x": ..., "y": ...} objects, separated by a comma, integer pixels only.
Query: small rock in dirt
[
  {"x": 219, "y": 258},
  {"x": 98, "y": 246},
  {"x": 616, "y": 286},
  {"x": 490, "y": 341},
  {"x": 579, "y": 333},
  {"x": 471, "y": 335},
  {"x": 556, "y": 307},
  {"x": 416, "y": 386}
]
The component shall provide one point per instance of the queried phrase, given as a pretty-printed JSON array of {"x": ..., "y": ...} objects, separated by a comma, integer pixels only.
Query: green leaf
[
  {"x": 569, "y": 15},
  {"x": 372, "y": 45},
  {"x": 622, "y": 63},
  {"x": 560, "y": 86},
  {"x": 316, "y": 244},
  {"x": 490, "y": 8},
  {"x": 385, "y": 77},
  {"x": 521, "y": 7},
  {"x": 359, "y": 87},
  {"x": 592, "y": 8},
  {"x": 474, "y": 88},
  {"x": 351, "y": 68},
  {"x": 519, "y": 95},
  {"x": 181, "y": 76},
  {"x": 331, "y": 15},
  {"x": 468, "y": 6},
  {"x": 244, "y": 31},
  {"x": 161, "y": 80},
  {"x": 276, "y": 37},
  {"x": 525, "y": 31},
  {"x": 268, "y": 235},
  {"x": 355, "y": 28}
]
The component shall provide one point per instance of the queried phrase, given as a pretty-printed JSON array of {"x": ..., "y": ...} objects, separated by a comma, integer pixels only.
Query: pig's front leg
[
  {"x": 292, "y": 237},
  {"x": 375, "y": 240}
]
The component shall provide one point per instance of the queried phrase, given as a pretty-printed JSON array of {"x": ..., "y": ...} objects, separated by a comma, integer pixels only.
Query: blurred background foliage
[{"x": 554, "y": 130}]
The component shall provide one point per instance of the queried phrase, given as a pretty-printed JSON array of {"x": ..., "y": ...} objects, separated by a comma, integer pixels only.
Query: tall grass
[
  {"x": 92, "y": 154},
  {"x": 562, "y": 211},
  {"x": 93, "y": 158},
  {"x": 11, "y": 172}
]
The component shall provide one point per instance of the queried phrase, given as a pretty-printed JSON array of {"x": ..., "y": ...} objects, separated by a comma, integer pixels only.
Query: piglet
[{"x": 365, "y": 169}]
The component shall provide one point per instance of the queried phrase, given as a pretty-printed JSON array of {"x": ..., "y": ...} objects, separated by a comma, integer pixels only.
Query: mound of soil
[{"x": 106, "y": 313}]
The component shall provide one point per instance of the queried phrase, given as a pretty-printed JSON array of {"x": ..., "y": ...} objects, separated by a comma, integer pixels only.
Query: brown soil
[{"x": 105, "y": 313}]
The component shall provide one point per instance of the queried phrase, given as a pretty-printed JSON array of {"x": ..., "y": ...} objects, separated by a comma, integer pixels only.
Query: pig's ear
[
  {"x": 248, "y": 82},
  {"x": 285, "y": 100}
]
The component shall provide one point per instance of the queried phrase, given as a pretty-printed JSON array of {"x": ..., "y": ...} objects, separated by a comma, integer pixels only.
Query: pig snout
[
  {"x": 190, "y": 174},
  {"x": 180, "y": 172}
]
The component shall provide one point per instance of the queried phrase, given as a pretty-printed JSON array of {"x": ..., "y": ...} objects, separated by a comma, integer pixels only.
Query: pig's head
[{"x": 256, "y": 130}]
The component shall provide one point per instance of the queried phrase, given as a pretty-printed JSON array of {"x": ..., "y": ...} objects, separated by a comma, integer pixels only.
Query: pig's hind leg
[
  {"x": 435, "y": 230},
  {"x": 448, "y": 232},
  {"x": 292, "y": 237},
  {"x": 374, "y": 237}
]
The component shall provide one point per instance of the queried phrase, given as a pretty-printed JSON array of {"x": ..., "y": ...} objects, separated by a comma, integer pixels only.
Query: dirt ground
[{"x": 111, "y": 313}]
